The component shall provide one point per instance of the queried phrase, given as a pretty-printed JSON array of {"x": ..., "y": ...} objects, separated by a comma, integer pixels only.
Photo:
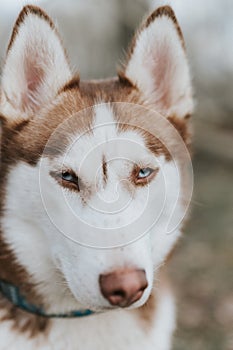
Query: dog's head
[{"x": 93, "y": 167}]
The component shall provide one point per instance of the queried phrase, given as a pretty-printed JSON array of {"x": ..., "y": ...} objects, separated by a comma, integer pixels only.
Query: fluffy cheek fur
[
  {"x": 71, "y": 223},
  {"x": 45, "y": 242},
  {"x": 82, "y": 266},
  {"x": 56, "y": 247}
]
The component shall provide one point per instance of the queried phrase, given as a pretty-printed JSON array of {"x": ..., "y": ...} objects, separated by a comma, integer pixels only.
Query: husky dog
[{"x": 93, "y": 190}]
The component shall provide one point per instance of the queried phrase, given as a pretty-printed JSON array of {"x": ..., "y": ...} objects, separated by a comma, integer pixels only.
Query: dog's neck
[
  {"x": 13, "y": 294},
  {"x": 43, "y": 292}
]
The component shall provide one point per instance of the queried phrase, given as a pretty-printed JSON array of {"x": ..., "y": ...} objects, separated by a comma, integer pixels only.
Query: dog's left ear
[
  {"x": 36, "y": 66},
  {"x": 157, "y": 65}
]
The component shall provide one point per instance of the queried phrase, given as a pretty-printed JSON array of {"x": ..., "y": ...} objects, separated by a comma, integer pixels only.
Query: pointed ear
[
  {"x": 36, "y": 66},
  {"x": 157, "y": 64}
]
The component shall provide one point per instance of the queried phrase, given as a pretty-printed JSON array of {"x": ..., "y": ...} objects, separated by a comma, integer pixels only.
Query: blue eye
[
  {"x": 70, "y": 180},
  {"x": 144, "y": 173},
  {"x": 68, "y": 176},
  {"x": 67, "y": 179}
]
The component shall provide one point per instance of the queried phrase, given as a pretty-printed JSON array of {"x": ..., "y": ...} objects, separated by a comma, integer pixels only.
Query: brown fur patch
[
  {"x": 124, "y": 80},
  {"x": 22, "y": 321},
  {"x": 147, "y": 313},
  {"x": 130, "y": 117},
  {"x": 182, "y": 127},
  {"x": 72, "y": 84},
  {"x": 11, "y": 271},
  {"x": 104, "y": 167}
]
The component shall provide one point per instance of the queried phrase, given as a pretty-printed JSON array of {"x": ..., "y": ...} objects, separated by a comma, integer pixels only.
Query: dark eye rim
[
  {"x": 69, "y": 184},
  {"x": 142, "y": 169},
  {"x": 144, "y": 180}
]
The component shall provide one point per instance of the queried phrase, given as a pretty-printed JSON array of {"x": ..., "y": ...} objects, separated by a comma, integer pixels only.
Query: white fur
[
  {"x": 119, "y": 330},
  {"x": 52, "y": 259},
  {"x": 60, "y": 221},
  {"x": 159, "y": 67},
  {"x": 64, "y": 241},
  {"x": 36, "y": 67}
]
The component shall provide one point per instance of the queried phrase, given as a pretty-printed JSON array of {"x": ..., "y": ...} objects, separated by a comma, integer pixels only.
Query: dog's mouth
[{"x": 133, "y": 306}]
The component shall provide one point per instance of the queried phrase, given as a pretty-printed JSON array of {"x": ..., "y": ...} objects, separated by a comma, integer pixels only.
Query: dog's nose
[{"x": 123, "y": 287}]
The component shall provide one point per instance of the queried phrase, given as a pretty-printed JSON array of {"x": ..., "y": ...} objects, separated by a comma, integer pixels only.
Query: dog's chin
[
  {"x": 108, "y": 307},
  {"x": 138, "y": 304}
]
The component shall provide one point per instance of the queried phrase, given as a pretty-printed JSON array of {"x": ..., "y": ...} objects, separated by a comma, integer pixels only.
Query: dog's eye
[
  {"x": 67, "y": 179},
  {"x": 144, "y": 173},
  {"x": 66, "y": 176},
  {"x": 70, "y": 180},
  {"x": 142, "y": 176}
]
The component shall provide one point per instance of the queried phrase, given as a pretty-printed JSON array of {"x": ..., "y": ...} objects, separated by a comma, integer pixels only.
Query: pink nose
[{"x": 123, "y": 287}]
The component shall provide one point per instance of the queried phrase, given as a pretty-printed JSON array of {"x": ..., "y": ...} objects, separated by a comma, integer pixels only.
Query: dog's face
[{"x": 100, "y": 163}]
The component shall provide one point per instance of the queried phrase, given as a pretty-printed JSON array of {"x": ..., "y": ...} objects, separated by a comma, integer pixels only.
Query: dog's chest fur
[{"x": 119, "y": 330}]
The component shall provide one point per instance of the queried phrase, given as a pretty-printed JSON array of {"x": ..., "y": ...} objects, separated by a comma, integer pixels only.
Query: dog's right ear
[{"x": 36, "y": 66}]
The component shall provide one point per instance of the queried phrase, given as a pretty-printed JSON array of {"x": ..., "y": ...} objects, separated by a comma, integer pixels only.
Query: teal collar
[{"x": 12, "y": 293}]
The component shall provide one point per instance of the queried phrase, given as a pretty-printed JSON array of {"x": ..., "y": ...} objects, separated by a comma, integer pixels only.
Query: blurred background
[{"x": 96, "y": 34}]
